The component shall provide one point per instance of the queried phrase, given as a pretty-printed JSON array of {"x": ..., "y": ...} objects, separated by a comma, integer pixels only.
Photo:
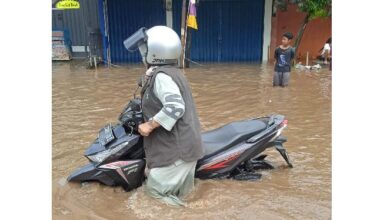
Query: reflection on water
[{"x": 85, "y": 100}]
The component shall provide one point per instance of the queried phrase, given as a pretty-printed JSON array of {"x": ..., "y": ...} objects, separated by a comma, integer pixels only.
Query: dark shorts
[{"x": 281, "y": 78}]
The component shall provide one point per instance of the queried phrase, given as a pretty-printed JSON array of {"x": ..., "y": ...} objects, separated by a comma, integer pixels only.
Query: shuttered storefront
[
  {"x": 229, "y": 30},
  {"x": 77, "y": 22}
]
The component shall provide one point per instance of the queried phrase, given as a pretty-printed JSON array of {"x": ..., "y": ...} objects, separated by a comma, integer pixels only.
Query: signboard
[{"x": 68, "y": 4}]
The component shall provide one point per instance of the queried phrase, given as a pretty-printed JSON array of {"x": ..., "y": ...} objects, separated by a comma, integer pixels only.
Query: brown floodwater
[{"x": 85, "y": 100}]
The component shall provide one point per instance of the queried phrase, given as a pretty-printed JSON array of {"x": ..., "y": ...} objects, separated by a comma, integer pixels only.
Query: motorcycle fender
[{"x": 90, "y": 173}]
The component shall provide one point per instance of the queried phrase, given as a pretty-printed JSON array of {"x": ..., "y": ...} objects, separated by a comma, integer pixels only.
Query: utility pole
[
  {"x": 168, "y": 12},
  {"x": 183, "y": 32},
  {"x": 187, "y": 49}
]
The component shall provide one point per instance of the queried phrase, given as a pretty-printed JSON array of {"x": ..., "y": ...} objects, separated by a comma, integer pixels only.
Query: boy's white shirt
[{"x": 326, "y": 48}]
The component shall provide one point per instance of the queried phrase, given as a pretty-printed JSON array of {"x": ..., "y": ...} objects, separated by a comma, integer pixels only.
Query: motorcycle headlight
[{"x": 101, "y": 156}]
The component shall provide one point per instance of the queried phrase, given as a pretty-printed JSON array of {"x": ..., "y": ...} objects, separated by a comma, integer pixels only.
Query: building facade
[{"x": 228, "y": 30}]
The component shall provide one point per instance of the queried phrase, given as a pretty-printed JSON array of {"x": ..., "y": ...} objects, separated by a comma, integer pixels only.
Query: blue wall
[
  {"x": 126, "y": 17},
  {"x": 229, "y": 30}
]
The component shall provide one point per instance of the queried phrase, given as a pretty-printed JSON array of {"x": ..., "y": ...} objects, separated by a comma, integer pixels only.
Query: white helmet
[{"x": 157, "y": 45}]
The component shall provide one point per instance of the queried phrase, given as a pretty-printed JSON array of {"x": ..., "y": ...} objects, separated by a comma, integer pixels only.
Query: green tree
[{"x": 312, "y": 8}]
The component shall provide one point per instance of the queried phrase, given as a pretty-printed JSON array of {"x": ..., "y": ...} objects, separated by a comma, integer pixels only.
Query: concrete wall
[{"x": 314, "y": 37}]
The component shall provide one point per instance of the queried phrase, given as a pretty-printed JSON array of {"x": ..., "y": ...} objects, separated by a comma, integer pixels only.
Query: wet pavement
[{"x": 85, "y": 100}]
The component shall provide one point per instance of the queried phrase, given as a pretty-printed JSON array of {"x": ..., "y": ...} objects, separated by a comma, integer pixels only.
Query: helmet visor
[{"x": 135, "y": 40}]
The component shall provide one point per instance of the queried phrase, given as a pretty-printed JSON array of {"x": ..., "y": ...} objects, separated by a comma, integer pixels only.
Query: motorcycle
[{"x": 116, "y": 157}]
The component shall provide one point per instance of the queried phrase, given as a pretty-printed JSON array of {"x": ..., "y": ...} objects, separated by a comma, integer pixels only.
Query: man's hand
[{"x": 146, "y": 128}]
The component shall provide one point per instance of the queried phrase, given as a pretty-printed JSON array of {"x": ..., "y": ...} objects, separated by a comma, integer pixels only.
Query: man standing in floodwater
[
  {"x": 284, "y": 54},
  {"x": 172, "y": 135}
]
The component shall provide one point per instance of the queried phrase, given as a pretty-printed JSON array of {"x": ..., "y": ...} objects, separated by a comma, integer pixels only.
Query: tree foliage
[{"x": 313, "y": 8}]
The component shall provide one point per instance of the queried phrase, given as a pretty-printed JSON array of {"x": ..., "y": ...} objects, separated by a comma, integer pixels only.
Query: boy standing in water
[{"x": 284, "y": 54}]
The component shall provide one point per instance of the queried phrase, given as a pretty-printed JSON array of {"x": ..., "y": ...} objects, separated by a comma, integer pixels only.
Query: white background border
[
  {"x": 360, "y": 79},
  {"x": 360, "y": 110},
  {"x": 25, "y": 90}
]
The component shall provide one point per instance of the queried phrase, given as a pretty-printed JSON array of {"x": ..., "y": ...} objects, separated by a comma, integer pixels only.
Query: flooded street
[{"x": 85, "y": 100}]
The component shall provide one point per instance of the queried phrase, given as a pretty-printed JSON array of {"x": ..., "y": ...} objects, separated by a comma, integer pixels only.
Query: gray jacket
[{"x": 183, "y": 141}]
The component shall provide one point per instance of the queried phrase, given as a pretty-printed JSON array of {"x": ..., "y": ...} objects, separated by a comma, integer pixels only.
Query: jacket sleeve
[{"x": 167, "y": 91}]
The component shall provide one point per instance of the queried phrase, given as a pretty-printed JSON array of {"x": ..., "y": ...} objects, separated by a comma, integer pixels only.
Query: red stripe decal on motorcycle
[{"x": 222, "y": 164}]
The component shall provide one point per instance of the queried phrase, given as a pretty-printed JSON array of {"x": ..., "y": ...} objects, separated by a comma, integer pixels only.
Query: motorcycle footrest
[
  {"x": 246, "y": 176},
  {"x": 262, "y": 164}
]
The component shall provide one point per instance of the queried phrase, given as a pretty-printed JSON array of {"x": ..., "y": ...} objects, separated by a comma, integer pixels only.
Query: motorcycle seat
[{"x": 222, "y": 138}]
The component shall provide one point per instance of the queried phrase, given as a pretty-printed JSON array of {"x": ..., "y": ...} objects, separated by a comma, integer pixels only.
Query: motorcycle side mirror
[{"x": 139, "y": 83}]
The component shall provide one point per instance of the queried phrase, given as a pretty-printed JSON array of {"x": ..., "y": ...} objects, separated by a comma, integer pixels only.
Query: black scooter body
[
  {"x": 234, "y": 159},
  {"x": 232, "y": 151},
  {"x": 89, "y": 172}
]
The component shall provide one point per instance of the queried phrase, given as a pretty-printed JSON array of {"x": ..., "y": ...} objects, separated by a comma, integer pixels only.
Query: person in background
[
  {"x": 284, "y": 54},
  {"x": 325, "y": 53}
]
